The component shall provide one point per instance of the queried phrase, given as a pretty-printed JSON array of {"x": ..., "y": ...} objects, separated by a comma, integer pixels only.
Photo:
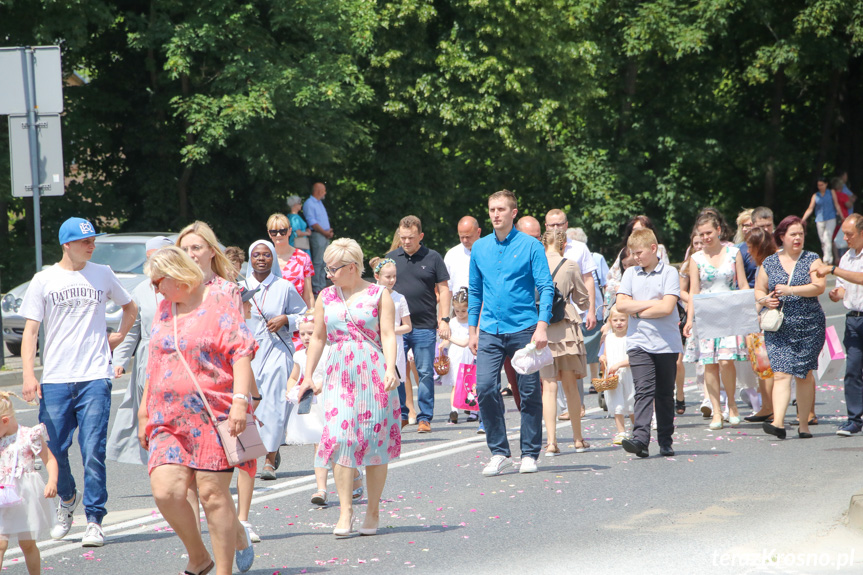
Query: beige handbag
[{"x": 244, "y": 447}]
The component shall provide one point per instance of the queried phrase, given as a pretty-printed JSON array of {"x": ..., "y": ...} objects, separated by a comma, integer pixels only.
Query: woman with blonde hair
[
  {"x": 363, "y": 413},
  {"x": 744, "y": 224},
  {"x": 294, "y": 264},
  {"x": 566, "y": 343},
  {"x": 184, "y": 447},
  {"x": 200, "y": 243}
]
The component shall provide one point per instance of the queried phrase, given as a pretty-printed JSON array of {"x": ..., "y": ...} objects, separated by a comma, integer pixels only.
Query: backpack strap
[{"x": 554, "y": 273}]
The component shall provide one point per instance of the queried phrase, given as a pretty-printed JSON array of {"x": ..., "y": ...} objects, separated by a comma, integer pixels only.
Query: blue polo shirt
[
  {"x": 316, "y": 213},
  {"x": 661, "y": 335},
  {"x": 504, "y": 278}
]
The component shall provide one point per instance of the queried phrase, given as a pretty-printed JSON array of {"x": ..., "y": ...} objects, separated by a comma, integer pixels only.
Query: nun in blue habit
[{"x": 276, "y": 309}]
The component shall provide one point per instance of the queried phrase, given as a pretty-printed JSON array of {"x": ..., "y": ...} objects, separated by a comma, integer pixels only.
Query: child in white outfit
[
  {"x": 26, "y": 510},
  {"x": 621, "y": 400},
  {"x": 456, "y": 348}
]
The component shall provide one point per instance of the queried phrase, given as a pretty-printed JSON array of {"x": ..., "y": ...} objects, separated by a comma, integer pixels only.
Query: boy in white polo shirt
[
  {"x": 75, "y": 391},
  {"x": 649, "y": 292}
]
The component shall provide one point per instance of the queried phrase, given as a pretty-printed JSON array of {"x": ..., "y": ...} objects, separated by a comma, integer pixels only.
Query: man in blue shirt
[
  {"x": 507, "y": 268},
  {"x": 319, "y": 222}
]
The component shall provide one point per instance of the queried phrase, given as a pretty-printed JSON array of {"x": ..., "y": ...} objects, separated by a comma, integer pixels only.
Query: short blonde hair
[
  {"x": 643, "y": 238},
  {"x": 221, "y": 265},
  {"x": 614, "y": 310},
  {"x": 172, "y": 262},
  {"x": 347, "y": 251},
  {"x": 278, "y": 220},
  {"x": 6, "y": 407}
]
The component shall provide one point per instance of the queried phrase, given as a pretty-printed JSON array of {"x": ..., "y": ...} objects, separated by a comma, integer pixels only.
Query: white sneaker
[
  {"x": 93, "y": 537},
  {"x": 496, "y": 466},
  {"x": 252, "y": 535},
  {"x": 528, "y": 465},
  {"x": 64, "y": 517}
]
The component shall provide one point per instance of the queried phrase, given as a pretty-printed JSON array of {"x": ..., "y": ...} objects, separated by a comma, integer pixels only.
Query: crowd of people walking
[{"x": 231, "y": 359}]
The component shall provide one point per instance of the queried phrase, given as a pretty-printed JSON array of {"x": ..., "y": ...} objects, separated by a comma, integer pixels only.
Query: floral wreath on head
[{"x": 379, "y": 266}]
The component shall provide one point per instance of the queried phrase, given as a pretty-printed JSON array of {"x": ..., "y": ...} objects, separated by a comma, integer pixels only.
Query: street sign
[
  {"x": 51, "y": 180},
  {"x": 48, "y": 80}
]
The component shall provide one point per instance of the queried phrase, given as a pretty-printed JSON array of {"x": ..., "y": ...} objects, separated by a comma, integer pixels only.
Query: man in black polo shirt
[{"x": 419, "y": 271}]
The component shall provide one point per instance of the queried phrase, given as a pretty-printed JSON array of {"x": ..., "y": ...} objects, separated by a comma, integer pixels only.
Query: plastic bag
[
  {"x": 305, "y": 429},
  {"x": 529, "y": 359}
]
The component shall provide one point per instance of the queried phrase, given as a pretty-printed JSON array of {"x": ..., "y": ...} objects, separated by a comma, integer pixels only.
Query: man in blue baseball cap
[{"x": 75, "y": 391}]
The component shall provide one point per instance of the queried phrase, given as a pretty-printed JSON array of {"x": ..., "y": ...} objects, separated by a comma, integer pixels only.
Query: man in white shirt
[
  {"x": 849, "y": 289},
  {"x": 457, "y": 259},
  {"x": 577, "y": 252},
  {"x": 75, "y": 391}
]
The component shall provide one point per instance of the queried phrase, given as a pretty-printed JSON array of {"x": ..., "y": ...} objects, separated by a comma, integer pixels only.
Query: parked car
[{"x": 123, "y": 253}]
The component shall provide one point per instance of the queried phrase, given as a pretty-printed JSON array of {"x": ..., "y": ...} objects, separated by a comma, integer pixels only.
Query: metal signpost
[
  {"x": 33, "y": 85},
  {"x": 31, "y": 94}
]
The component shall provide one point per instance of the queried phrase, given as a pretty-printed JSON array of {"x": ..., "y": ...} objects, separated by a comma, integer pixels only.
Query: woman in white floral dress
[{"x": 717, "y": 268}]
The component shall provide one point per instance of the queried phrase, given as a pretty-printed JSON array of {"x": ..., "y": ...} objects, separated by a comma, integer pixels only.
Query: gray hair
[
  {"x": 579, "y": 235},
  {"x": 294, "y": 200}
]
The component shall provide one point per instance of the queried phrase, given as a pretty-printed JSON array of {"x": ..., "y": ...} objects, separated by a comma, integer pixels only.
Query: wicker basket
[
  {"x": 601, "y": 384},
  {"x": 441, "y": 365}
]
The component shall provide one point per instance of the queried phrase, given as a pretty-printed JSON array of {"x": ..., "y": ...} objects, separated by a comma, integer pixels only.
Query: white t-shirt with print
[{"x": 71, "y": 306}]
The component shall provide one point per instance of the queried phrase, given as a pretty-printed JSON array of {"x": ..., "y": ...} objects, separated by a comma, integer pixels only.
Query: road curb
[
  {"x": 855, "y": 511},
  {"x": 16, "y": 378}
]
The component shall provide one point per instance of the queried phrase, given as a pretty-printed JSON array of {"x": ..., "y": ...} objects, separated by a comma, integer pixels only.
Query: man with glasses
[
  {"x": 577, "y": 252},
  {"x": 322, "y": 233},
  {"x": 419, "y": 271},
  {"x": 75, "y": 391}
]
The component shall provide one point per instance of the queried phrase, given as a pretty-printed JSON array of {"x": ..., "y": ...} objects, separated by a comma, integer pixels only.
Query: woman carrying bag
[{"x": 203, "y": 324}]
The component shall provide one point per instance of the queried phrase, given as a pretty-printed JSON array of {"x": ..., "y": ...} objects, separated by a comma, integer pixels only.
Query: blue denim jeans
[
  {"x": 492, "y": 350},
  {"x": 87, "y": 406},
  {"x": 422, "y": 341},
  {"x": 854, "y": 369}
]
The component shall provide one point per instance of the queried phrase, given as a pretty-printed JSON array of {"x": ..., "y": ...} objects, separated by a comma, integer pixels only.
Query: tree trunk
[
  {"x": 630, "y": 75},
  {"x": 776, "y": 136},
  {"x": 827, "y": 126},
  {"x": 186, "y": 176}
]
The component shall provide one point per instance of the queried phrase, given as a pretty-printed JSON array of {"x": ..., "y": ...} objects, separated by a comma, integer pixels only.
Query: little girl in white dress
[
  {"x": 620, "y": 400},
  {"x": 26, "y": 510}
]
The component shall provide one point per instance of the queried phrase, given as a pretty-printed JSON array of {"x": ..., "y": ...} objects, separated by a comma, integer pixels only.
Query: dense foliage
[{"x": 219, "y": 110}]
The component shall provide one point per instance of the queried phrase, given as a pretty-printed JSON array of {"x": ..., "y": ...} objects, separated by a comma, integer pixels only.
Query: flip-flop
[{"x": 206, "y": 570}]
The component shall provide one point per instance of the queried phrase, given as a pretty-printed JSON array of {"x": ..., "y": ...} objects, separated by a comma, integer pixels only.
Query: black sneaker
[
  {"x": 636, "y": 447},
  {"x": 453, "y": 416},
  {"x": 472, "y": 416},
  {"x": 666, "y": 451}
]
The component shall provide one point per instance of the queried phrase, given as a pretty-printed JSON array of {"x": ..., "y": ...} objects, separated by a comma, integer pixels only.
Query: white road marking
[{"x": 151, "y": 521}]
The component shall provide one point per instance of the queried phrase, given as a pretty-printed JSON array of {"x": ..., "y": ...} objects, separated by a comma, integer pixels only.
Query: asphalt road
[{"x": 733, "y": 501}]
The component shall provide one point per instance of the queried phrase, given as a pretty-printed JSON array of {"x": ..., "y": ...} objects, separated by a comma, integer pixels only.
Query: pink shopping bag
[
  {"x": 831, "y": 365},
  {"x": 465, "y": 388}
]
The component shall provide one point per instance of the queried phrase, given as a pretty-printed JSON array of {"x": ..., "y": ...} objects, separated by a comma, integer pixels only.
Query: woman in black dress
[{"x": 786, "y": 278}]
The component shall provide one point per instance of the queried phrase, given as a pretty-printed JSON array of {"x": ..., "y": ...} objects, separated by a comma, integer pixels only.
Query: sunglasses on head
[{"x": 279, "y": 232}]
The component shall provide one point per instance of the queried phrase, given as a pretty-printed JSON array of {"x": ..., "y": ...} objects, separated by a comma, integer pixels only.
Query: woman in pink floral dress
[
  {"x": 361, "y": 406},
  {"x": 182, "y": 441}
]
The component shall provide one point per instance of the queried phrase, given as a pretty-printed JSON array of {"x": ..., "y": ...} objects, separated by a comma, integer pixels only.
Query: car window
[{"x": 122, "y": 257}]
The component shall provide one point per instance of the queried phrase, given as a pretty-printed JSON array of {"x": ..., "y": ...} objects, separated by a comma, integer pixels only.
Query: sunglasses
[
  {"x": 157, "y": 283},
  {"x": 332, "y": 271},
  {"x": 279, "y": 232}
]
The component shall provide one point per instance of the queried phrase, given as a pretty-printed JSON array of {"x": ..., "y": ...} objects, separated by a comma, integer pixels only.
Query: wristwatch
[
  {"x": 446, "y": 319},
  {"x": 833, "y": 271}
]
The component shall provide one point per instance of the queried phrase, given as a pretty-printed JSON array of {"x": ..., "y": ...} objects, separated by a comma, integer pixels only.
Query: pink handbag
[
  {"x": 244, "y": 447},
  {"x": 465, "y": 396}
]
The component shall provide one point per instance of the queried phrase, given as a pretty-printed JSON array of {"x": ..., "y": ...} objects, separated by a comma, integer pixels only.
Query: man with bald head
[
  {"x": 457, "y": 259},
  {"x": 322, "y": 233},
  {"x": 529, "y": 225}
]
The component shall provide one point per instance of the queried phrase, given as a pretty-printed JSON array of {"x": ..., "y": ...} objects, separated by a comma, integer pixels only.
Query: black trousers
[{"x": 653, "y": 375}]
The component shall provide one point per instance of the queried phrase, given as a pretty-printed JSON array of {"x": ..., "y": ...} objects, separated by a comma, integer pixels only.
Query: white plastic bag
[
  {"x": 307, "y": 428},
  {"x": 529, "y": 359}
]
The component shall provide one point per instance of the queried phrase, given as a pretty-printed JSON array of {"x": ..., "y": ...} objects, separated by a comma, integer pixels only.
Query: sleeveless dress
[
  {"x": 714, "y": 280},
  {"x": 33, "y": 518},
  {"x": 363, "y": 421},
  {"x": 795, "y": 347}
]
